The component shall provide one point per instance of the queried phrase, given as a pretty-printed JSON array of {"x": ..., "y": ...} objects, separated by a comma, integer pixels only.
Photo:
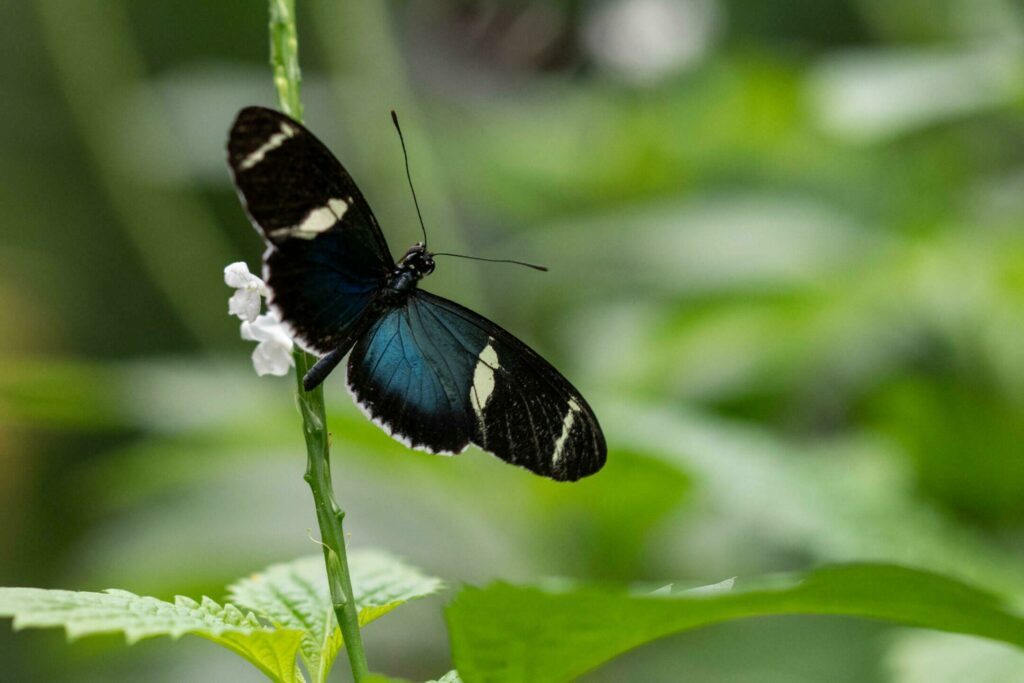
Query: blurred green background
[{"x": 787, "y": 269}]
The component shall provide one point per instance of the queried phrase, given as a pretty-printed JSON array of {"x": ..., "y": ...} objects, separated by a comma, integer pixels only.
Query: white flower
[
  {"x": 245, "y": 302},
  {"x": 273, "y": 354}
]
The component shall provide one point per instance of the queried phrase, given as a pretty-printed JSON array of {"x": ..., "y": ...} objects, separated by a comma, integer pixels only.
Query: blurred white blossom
[
  {"x": 273, "y": 353},
  {"x": 246, "y": 301},
  {"x": 646, "y": 40}
]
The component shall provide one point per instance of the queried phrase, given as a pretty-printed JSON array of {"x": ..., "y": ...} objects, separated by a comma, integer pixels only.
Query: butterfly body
[
  {"x": 431, "y": 373},
  {"x": 411, "y": 268}
]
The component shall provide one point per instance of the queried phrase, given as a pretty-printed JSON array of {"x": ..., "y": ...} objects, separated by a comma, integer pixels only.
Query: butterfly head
[{"x": 417, "y": 261}]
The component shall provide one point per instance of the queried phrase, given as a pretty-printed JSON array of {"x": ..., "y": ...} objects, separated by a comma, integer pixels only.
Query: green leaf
[
  {"x": 380, "y": 583},
  {"x": 506, "y": 633},
  {"x": 295, "y": 595},
  {"x": 81, "y": 613}
]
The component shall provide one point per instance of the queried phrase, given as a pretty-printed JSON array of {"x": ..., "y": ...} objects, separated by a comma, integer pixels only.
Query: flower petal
[
  {"x": 271, "y": 358},
  {"x": 273, "y": 354},
  {"x": 246, "y": 304},
  {"x": 248, "y": 334},
  {"x": 266, "y": 327},
  {"x": 237, "y": 275}
]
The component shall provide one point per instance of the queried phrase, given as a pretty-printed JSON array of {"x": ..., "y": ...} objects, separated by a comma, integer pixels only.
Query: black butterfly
[{"x": 431, "y": 373}]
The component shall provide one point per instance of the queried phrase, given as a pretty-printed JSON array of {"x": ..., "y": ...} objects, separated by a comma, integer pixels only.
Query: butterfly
[{"x": 432, "y": 374}]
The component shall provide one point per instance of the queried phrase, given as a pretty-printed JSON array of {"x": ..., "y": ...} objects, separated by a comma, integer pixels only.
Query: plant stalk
[
  {"x": 284, "y": 58},
  {"x": 328, "y": 515}
]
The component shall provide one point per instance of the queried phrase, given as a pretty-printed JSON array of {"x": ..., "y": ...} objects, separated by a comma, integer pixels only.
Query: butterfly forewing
[
  {"x": 327, "y": 256},
  {"x": 291, "y": 184},
  {"x": 437, "y": 376}
]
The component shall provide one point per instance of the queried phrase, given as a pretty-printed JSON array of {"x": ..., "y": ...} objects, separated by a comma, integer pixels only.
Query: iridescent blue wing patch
[
  {"x": 326, "y": 255},
  {"x": 438, "y": 377}
]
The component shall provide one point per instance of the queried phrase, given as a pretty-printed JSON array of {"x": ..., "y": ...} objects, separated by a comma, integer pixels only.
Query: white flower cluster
[{"x": 273, "y": 353}]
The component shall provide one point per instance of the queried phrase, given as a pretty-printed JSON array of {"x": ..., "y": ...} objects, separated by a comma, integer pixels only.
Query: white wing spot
[
  {"x": 483, "y": 379},
  {"x": 273, "y": 142},
  {"x": 316, "y": 221},
  {"x": 567, "y": 423}
]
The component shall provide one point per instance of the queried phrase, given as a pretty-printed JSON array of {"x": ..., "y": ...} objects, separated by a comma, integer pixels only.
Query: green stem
[
  {"x": 328, "y": 515},
  {"x": 284, "y": 56}
]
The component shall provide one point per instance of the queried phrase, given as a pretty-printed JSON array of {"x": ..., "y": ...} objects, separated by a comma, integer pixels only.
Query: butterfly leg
[
  {"x": 323, "y": 367},
  {"x": 318, "y": 373}
]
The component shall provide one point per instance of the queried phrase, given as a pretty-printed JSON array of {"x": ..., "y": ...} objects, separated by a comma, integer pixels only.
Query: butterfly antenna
[
  {"x": 408, "y": 175},
  {"x": 497, "y": 260}
]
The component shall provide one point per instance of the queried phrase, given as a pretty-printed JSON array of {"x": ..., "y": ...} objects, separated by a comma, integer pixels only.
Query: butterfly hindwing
[
  {"x": 408, "y": 379},
  {"x": 437, "y": 376},
  {"x": 326, "y": 254}
]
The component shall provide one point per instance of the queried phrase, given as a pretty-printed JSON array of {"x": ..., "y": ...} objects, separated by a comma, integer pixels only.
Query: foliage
[
  {"x": 287, "y": 612},
  {"x": 787, "y": 275},
  {"x": 272, "y": 651},
  {"x": 519, "y": 634}
]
